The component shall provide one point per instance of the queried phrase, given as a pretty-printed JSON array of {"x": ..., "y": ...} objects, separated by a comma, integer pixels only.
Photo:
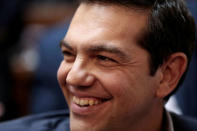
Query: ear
[{"x": 171, "y": 71}]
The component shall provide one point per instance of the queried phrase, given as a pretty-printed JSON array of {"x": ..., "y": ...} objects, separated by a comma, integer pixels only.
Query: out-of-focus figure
[
  {"x": 29, "y": 31},
  {"x": 45, "y": 94},
  {"x": 11, "y": 26}
]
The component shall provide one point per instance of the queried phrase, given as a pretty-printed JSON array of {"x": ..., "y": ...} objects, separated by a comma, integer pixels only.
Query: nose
[{"x": 79, "y": 75}]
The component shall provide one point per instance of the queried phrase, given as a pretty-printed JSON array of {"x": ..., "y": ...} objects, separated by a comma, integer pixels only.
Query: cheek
[
  {"x": 116, "y": 83},
  {"x": 61, "y": 76},
  {"x": 62, "y": 73},
  {"x": 125, "y": 86}
]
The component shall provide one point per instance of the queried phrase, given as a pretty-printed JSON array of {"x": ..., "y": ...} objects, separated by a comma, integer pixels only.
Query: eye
[
  {"x": 106, "y": 59},
  {"x": 68, "y": 56},
  {"x": 67, "y": 53}
]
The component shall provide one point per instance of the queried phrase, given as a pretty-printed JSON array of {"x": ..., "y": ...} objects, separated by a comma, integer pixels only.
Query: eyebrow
[
  {"x": 107, "y": 48},
  {"x": 65, "y": 44},
  {"x": 99, "y": 48}
]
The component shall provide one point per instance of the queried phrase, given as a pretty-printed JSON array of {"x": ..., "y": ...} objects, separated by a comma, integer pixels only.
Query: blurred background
[{"x": 30, "y": 32}]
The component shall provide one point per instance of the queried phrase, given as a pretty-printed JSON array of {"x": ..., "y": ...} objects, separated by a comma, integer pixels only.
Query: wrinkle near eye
[{"x": 130, "y": 63}]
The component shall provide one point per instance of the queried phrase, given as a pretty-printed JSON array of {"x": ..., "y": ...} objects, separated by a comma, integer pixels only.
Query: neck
[{"x": 152, "y": 121}]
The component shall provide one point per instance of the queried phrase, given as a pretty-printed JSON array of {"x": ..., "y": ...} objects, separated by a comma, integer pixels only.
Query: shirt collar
[{"x": 168, "y": 121}]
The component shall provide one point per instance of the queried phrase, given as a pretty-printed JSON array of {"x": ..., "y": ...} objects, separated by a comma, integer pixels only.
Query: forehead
[{"x": 96, "y": 23}]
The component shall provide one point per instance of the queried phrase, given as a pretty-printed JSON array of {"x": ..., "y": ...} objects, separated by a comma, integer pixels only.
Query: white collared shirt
[{"x": 169, "y": 124}]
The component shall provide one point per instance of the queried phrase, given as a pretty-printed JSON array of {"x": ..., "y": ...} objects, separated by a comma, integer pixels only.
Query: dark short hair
[{"x": 170, "y": 29}]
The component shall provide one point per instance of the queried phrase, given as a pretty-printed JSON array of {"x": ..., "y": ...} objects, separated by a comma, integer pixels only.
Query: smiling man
[
  {"x": 105, "y": 74},
  {"x": 122, "y": 61}
]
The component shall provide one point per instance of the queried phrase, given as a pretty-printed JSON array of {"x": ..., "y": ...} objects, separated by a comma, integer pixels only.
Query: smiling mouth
[{"x": 85, "y": 102}]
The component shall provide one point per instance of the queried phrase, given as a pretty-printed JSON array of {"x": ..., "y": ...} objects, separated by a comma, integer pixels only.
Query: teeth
[
  {"x": 85, "y": 102},
  {"x": 77, "y": 100},
  {"x": 91, "y": 102},
  {"x": 82, "y": 102}
]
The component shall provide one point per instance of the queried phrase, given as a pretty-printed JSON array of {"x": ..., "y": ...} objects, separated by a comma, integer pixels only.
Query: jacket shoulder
[
  {"x": 183, "y": 123},
  {"x": 56, "y": 121}
]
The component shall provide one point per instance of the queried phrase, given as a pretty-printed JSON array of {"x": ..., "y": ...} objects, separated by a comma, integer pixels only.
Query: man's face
[{"x": 105, "y": 75}]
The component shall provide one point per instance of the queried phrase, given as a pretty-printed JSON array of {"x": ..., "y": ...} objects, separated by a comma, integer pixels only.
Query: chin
[{"x": 77, "y": 124}]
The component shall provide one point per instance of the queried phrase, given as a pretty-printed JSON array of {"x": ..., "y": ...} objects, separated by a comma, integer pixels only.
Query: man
[{"x": 122, "y": 61}]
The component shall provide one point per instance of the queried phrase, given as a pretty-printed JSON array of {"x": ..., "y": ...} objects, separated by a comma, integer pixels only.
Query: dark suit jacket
[
  {"x": 182, "y": 123},
  {"x": 59, "y": 121},
  {"x": 52, "y": 121}
]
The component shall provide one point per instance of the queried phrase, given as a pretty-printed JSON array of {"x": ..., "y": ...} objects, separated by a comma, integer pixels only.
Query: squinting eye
[
  {"x": 104, "y": 58},
  {"x": 66, "y": 53},
  {"x": 68, "y": 56}
]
